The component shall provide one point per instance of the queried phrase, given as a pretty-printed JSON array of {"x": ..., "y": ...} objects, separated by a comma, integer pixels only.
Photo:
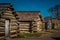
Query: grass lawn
[
  {"x": 27, "y": 35},
  {"x": 31, "y": 35}
]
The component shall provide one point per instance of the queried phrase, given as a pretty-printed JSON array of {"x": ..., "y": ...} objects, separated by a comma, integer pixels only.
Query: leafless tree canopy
[{"x": 55, "y": 11}]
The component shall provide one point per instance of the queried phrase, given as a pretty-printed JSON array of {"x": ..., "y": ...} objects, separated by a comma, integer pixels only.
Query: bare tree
[{"x": 55, "y": 11}]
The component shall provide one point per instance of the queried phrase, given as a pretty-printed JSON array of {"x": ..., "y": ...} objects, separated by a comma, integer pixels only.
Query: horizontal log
[
  {"x": 13, "y": 35},
  {"x": 3, "y": 21},
  {"x": 10, "y": 17},
  {"x": 14, "y": 22},
  {"x": 24, "y": 24},
  {"x": 23, "y": 29},
  {"x": 8, "y": 14},
  {"x": 1, "y": 27},
  {"x": 2, "y": 32},
  {"x": 2, "y": 37},
  {"x": 13, "y": 31},
  {"x": 13, "y": 28},
  {"x": 24, "y": 32},
  {"x": 2, "y": 24}
]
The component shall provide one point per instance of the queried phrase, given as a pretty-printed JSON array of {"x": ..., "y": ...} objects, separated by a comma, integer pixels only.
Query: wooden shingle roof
[{"x": 28, "y": 15}]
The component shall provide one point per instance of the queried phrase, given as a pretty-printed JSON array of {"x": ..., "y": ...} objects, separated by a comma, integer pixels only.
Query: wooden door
[{"x": 7, "y": 27}]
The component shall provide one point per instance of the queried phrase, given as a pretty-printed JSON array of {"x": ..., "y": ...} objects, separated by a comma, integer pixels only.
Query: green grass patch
[{"x": 27, "y": 35}]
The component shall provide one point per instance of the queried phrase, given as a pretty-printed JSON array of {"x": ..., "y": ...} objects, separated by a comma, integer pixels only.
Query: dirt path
[
  {"x": 43, "y": 37},
  {"x": 31, "y": 39}
]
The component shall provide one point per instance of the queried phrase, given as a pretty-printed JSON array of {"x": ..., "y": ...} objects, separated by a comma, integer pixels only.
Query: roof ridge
[{"x": 27, "y": 11}]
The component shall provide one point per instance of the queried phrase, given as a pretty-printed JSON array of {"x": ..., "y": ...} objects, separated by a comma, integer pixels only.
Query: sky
[{"x": 33, "y": 5}]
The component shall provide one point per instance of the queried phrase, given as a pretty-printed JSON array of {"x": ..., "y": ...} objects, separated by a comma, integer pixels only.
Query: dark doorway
[
  {"x": 53, "y": 25},
  {"x": 30, "y": 27},
  {"x": 46, "y": 26}
]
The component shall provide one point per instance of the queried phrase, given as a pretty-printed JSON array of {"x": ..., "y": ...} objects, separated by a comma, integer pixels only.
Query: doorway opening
[{"x": 7, "y": 28}]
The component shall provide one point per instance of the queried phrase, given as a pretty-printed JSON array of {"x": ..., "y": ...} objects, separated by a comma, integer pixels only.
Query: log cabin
[
  {"x": 29, "y": 21},
  {"x": 52, "y": 23},
  {"x": 55, "y": 23},
  {"x": 14, "y": 22},
  {"x": 8, "y": 22}
]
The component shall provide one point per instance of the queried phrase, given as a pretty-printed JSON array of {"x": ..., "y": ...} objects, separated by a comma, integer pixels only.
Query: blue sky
[{"x": 33, "y": 5}]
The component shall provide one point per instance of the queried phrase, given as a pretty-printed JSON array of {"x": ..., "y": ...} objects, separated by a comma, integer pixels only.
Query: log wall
[{"x": 2, "y": 28}]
